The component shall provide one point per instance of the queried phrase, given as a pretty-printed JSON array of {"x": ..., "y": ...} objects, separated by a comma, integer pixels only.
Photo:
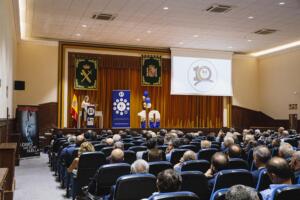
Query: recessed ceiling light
[
  {"x": 149, "y": 31},
  {"x": 249, "y": 40},
  {"x": 83, "y": 25},
  {"x": 180, "y": 43},
  {"x": 166, "y": 8},
  {"x": 195, "y": 36},
  {"x": 250, "y": 17},
  {"x": 281, "y": 3},
  {"x": 138, "y": 39},
  {"x": 78, "y": 34}
]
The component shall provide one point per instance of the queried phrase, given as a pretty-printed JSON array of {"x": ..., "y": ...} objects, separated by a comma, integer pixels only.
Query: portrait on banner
[
  {"x": 86, "y": 70},
  {"x": 151, "y": 70}
]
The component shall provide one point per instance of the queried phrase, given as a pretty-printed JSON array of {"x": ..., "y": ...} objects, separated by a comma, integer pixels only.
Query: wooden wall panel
[
  {"x": 47, "y": 116},
  {"x": 245, "y": 118}
]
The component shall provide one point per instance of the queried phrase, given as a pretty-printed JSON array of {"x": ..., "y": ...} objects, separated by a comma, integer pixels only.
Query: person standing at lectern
[{"x": 85, "y": 103}]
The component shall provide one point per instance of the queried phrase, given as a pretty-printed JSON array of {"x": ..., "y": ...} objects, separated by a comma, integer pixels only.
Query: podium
[{"x": 98, "y": 114}]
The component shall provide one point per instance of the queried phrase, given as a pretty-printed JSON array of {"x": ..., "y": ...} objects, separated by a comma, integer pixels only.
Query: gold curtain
[{"x": 124, "y": 72}]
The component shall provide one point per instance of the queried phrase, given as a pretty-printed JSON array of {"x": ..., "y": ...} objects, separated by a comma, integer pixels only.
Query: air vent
[
  {"x": 104, "y": 16},
  {"x": 265, "y": 31},
  {"x": 219, "y": 8}
]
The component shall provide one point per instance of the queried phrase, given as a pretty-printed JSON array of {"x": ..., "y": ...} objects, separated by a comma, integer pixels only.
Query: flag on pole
[{"x": 74, "y": 109}]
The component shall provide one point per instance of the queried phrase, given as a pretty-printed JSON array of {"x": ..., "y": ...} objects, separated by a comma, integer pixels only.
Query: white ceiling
[{"x": 175, "y": 27}]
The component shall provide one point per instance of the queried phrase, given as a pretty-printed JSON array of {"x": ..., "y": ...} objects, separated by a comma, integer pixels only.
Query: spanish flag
[{"x": 74, "y": 109}]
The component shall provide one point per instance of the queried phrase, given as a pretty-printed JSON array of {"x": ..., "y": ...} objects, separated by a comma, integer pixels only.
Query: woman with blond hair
[{"x": 84, "y": 147}]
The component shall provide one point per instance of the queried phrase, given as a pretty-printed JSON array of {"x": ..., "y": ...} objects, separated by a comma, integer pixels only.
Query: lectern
[{"x": 98, "y": 114}]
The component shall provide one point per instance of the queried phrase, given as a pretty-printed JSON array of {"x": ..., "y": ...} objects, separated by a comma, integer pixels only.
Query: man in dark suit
[{"x": 261, "y": 155}]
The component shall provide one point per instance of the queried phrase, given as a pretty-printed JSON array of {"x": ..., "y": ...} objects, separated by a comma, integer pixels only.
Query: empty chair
[
  {"x": 107, "y": 176},
  {"x": 264, "y": 181},
  {"x": 206, "y": 154},
  {"x": 287, "y": 192},
  {"x": 129, "y": 156},
  {"x": 195, "y": 165},
  {"x": 230, "y": 177},
  {"x": 138, "y": 148},
  {"x": 98, "y": 147},
  {"x": 237, "y": 163},
  {"x": 176, "y": 155},
  {"x": 219, "y": 194},
  {"x": 175, "y": 196},
  {"x": 195, "y": 181},
  {"x": 158, "y": 166},
  {"x": 134, "y": 187},
  {"x": 190, "y": 147},
  {"x": 107, "y": 151},
  {"x": 87, "y": 167}
]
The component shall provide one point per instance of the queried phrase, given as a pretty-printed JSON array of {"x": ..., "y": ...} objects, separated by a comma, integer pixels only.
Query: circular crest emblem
[
  {"x": 121, "y": 94},
  {"x": 202, "y": 75},
  {"x": 90, "y": 111}
]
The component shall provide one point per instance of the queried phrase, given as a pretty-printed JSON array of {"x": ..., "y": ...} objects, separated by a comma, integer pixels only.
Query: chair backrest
[
  {"x": 215, "y": 146},
  {"x": 107, "y": 176},
  {"x": 195, "y": 181},
  {"x": 184, "y": 195},
  {"x": 127, "y": 140},
  {"x": 176, "y": 155},
  {"x": 275, "y": 151},
  {"x": 158, "y": 166},
  {"x": 206, "y": 154},
  {"x": 195, "y": 165},
  {"x": 219, "y": 194},
  {"x": 127, "y": 145},
  {"x": 264, "y": 180},
  {"x": 230, "y": 177},
  {"x": 107, "y": 151},
  {"x": 138, "y": 142},
  {"x": 250, "y": 157},
  {"x": 237, "y": 163},
  {"x": 138, "y": 148},
  {"x": 145, "y": 156},
  {"x": 88, "y": 164},
  {"x": 162, "y": 147},
  {"x": 287, "y": 192},
  {"x": 190, "y": 147},
  {"x": 134, "y": 187},
  {"x": 98, "y": 147},
  {"x": 129, "y": 156}
]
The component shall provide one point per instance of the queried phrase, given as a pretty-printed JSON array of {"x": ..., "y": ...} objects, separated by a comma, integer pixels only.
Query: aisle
[{"x": 35, "y": 181}]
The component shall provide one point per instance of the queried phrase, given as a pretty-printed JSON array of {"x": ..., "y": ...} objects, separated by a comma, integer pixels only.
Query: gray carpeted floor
[{"x": 35, "y": 181}]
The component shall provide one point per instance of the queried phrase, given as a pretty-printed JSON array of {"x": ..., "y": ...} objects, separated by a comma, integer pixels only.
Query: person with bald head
[
  {"x": 280, "y": 175},
  {"x": 117, "y": 156},
  {"x": 109, "y": 141},
  {"x": 234, "y": 151},
  {"x": 219, "y": 161}
]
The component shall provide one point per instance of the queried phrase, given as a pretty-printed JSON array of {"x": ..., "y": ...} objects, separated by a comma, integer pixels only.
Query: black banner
[
  {"x": 86, "y": 74},
  {"x": 151, "y": 70},
  {"x": 27, "y": 124}
]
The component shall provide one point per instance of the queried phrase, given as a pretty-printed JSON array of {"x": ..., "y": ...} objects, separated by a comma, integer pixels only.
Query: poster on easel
[{"x": 27, "y": 126}]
